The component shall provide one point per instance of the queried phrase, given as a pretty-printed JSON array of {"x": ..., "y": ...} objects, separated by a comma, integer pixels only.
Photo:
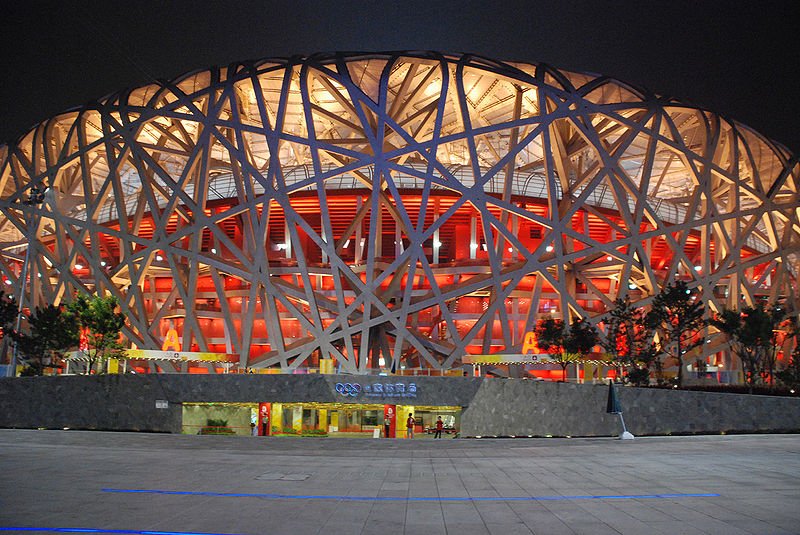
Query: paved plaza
[{"x": 96, "y": 482}]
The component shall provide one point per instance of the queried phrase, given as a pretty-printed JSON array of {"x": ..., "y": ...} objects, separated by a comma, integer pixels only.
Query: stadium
[{"x": 391, "y": 211}]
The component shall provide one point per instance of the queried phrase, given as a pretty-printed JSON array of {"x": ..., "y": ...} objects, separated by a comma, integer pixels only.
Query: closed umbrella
[{"x": 613, "y": 406}]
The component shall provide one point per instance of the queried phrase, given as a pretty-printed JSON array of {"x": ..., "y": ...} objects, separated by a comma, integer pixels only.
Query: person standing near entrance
[
  {"x": 439, "y": 427},
  {"x": 410, "y": 426},
  {"x": 264, "y": 424},
  {"x": 387, "y": 427}
]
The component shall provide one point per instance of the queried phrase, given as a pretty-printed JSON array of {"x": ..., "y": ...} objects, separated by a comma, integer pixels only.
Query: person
[
  {"x": 264, "y": 424},
  {"x": 253, "y": 430},
  {"x": 439, "y": 427},
  {"x": 387, "y": 427},
  {"x": 410, "y": 426}
]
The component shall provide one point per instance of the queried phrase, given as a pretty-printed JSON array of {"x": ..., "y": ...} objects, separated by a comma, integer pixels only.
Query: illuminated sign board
[
  {"x": 171, "y": 341},
  {"x": 378, "y": 390},
  {"x": 529, "y": 343}
]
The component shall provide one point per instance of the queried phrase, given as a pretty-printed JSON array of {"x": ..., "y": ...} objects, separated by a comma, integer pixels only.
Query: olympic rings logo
[{"x": 348, "y": 389}]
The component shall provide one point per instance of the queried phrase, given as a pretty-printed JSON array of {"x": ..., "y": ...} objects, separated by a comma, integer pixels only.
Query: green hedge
[{"x": 216, "y": 427}]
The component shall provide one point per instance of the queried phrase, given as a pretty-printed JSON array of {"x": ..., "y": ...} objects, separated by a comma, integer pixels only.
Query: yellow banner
[
  {"x": 181, "y": 355},
  {"x": 506, "y": 359}
]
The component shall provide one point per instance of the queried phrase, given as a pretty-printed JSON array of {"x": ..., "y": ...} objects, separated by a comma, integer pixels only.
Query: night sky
[{"x": 738, "y": 60}]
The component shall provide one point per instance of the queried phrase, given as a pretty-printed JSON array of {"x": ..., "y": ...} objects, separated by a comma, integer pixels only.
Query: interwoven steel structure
[{"x": 404, "y": 207}]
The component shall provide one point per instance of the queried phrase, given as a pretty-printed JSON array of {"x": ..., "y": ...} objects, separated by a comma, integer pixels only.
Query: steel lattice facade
[{"x": 412, "y": 207}]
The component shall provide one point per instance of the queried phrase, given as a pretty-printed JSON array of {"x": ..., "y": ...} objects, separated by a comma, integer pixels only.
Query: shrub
[
  {"x": 216, "y": 427},
  {"x": 639, "y": 376}
]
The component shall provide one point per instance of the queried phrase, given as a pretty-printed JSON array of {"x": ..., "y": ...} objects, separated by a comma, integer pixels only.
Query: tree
[
  {"x": 786, "y": 330},
  {"x": 8, "y": 313},
  {"x": 677, "y": 316},
  {"x": 102, "y": 323},
  {"x": 752, "y": 334},
  {"x": 628, "y": 340},
  {"x": 550, "y": 334},
  {"x": 581, "y": 338},
  {"x": 790, "y": 376},
  {"x": 566, "y": 345},
  {"x": 618, "y": 340},
  {"x": 53, "y": 331}
]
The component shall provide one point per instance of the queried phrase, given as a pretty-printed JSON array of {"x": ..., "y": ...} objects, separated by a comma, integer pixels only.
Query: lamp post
[{"x": 35, "y": 198}]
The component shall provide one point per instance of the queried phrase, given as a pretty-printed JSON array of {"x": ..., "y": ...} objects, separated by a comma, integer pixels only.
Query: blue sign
[
  {"x": 378, "y": 390},
  {"x": 348, "y": 389}
]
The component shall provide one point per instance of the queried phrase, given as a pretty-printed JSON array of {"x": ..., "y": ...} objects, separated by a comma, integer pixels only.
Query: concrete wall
[
  {"x": 521, "y": 408},
  {"x": 500, "y": 407},
  {"x": 110, "y": 402}
]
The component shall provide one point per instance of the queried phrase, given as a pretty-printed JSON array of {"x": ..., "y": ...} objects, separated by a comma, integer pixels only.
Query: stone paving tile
[
  {"x": 496, "y": 512},
  {"x": 759, "y": 527},
  {"x": 387, "y": 512},
  {"x": 641, "y": 510},
  {"x": 592, "y": 528},
  {"x": 336, "y": 528},
  {"x": 461, "y": 513},
  {"x": 455, "y": 528},
  {"x": 382, "y": 527},
  {"x": 606, "y": 513},
  {"x": 416, "y": 528},
  {"x": 673, "y": 527},
  {"x": 543, "y": 522},
  {"x": 507, "y": 528}
]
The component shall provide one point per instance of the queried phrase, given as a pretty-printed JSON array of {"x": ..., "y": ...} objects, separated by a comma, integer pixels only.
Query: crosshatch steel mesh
[{"x": 399, "y": 207}]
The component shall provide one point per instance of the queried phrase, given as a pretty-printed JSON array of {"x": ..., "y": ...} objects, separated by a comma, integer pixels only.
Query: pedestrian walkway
[{"x": 60, "y": 481}]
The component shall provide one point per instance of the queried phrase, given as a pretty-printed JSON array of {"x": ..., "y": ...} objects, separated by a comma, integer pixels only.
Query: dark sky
[{"x": 737, "y": 58}]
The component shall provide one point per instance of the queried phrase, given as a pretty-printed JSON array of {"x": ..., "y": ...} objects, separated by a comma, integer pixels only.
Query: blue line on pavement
[
  {"x": 413, "y": 498},
  {"x": 122, "y": 531}
]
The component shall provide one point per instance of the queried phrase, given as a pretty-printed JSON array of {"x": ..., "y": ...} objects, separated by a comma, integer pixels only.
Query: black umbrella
[{"x": 613, "y": 406}]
